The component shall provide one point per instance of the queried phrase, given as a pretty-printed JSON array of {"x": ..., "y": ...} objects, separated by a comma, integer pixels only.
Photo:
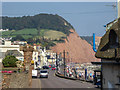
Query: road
[{"x": 55, "y": 82}]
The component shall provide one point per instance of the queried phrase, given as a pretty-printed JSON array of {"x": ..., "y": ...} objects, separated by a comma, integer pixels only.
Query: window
[
  {"x": 118, "y": 79},
  {"x": 113, "y": 39}
]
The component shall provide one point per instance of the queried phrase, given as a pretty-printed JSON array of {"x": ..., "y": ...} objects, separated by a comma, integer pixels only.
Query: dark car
[
  {"x": 45, "y": 67},
  {"x": 37, "y": 68}
]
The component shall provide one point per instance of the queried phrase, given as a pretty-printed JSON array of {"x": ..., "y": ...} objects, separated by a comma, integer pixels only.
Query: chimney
[{"x": 118, "y": 8}]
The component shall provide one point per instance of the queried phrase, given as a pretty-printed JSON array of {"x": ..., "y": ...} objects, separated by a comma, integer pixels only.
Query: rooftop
[
  {"x": 110, "y": 43},
  {"x": 15, "y": 53}
]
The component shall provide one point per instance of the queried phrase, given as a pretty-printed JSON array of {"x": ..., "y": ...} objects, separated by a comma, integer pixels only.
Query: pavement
[{"x": 56, "y": 82}]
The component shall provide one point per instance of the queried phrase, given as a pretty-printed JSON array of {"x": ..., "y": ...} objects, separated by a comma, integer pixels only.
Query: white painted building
[
  {"x": 2, "y": 30},
  {"x": 35, "y": 57},
  {"x": 7, "y": 46}
]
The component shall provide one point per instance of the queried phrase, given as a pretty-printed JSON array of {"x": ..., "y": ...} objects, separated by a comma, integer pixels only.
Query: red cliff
[{"x": 79, "y": 50}]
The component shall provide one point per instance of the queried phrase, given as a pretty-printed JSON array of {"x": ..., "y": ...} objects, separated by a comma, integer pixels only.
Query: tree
[
  {"x": 18, "y": 37},
  {"x": 40, "y": 21},
  {"x": 9, "y": 61}
]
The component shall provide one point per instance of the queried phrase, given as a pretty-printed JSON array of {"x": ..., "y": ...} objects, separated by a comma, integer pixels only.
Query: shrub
[{"x": 9, "y": 61}]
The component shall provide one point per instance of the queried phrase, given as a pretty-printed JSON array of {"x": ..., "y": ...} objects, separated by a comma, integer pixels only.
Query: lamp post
[
  {"x": 56, "y": 62},
  {"x": 64, "y": 60}
]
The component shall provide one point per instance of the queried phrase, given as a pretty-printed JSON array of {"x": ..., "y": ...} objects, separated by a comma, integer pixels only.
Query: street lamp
[{"x": 64, "y": 61}]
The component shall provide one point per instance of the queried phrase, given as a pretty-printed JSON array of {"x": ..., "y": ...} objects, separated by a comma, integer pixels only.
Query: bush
[
  {"x": 61, "y": 41},
  {"x": 9, "y": 61}
]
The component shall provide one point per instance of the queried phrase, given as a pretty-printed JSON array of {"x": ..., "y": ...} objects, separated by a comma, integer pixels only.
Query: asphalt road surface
[{"x": 56, "y": 82}]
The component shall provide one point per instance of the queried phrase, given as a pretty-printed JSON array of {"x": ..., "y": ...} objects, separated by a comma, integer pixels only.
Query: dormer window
[{"x": 113, "y": 39}]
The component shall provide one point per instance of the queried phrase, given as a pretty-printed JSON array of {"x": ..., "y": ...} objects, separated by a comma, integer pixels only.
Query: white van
[{"x": 34, "y": 73}]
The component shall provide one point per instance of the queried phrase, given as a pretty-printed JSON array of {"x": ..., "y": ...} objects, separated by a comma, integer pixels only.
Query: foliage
[
  {"x": 18, "y": 37},
  {"x": 9, "y": 61},
  {"x": 40, "y": 21},
  {"x": 31, "y": 31},
  {"x": 44, "y": 42},
  {"x": 61, "y": 41},
  {"x": 52, "y": 34},
  {"x": 19, "y": 64},
  {"x": 40, "y": 29}
]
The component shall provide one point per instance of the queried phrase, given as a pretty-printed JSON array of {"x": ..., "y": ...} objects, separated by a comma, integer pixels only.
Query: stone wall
[
  {"x": 15, "y": 80},
  {"x": 21, "y": 79}
]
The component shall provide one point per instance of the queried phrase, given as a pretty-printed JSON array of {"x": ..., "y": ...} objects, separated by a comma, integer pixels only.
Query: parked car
[
  {"x": 43, "y": 73},
  {"x": 37, "y": 68},
  {"x": 34, "y": 73}
]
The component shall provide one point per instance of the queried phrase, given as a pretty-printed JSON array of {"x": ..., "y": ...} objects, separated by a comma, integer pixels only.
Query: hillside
[
  {"x": 40, "y": 21},
  {"x": 44, "y": 29},
  {"x": 50, "y": 31},
  {"x": 79, "y": 50},
  {"x": 89, "y": 39},
  {"x": 34, "y": 33}
]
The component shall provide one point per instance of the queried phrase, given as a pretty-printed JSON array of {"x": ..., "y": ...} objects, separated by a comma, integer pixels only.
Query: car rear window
[{"x": 43, "y": 71}]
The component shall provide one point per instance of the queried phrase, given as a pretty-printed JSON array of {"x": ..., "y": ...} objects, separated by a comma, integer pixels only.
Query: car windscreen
[{"x": 43, "y": 71}]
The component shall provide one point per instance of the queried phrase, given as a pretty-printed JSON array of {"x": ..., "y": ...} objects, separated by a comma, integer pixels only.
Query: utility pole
[
  {"x": 64, "y": 61},
  {"x": 56, "y": 62}
]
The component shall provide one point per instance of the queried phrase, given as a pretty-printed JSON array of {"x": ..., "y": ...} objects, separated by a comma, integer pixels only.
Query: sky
[
  {"x": 85, "y": 17},
  {"x": 58, "y": 0}
]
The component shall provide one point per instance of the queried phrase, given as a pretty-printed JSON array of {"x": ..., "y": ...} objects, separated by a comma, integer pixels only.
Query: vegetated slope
[
  {"x": 34, "y": 33},
  {"x": 54, "y": 34},
  {"x": 79, "y": 50},
  {"x": 45, "y": 28},
  {"x": 40, "y": 21},
  {"x": 89, "y": 39}
]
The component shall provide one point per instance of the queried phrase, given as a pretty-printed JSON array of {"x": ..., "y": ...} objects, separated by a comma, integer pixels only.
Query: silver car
[{"x": 43, "y": 73}]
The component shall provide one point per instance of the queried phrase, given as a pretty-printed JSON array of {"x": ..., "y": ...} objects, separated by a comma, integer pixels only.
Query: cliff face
[{"x": 79, "y": 50}]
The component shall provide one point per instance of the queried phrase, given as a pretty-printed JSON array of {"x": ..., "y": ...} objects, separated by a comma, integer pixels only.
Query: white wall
[
  {"x": 110, "y": 75},
  {"x": 8, "y": 46}
]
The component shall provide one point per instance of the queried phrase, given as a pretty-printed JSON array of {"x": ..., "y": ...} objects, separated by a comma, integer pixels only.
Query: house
[
  {"x": 2, "y": 55},
  {"x": 35, "y": 56},
  {"x": 39, "y": 56},
  {"x": 2, "y": 30},
  {"x": 109, "y": 52},
  {"x": 42, "y": 55},
  {"x": 19, "y": 42},
  {"x": 51, "y": 57},
  {"x": 8, "y": 46},
  {"x": 15, "y": 53}
]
